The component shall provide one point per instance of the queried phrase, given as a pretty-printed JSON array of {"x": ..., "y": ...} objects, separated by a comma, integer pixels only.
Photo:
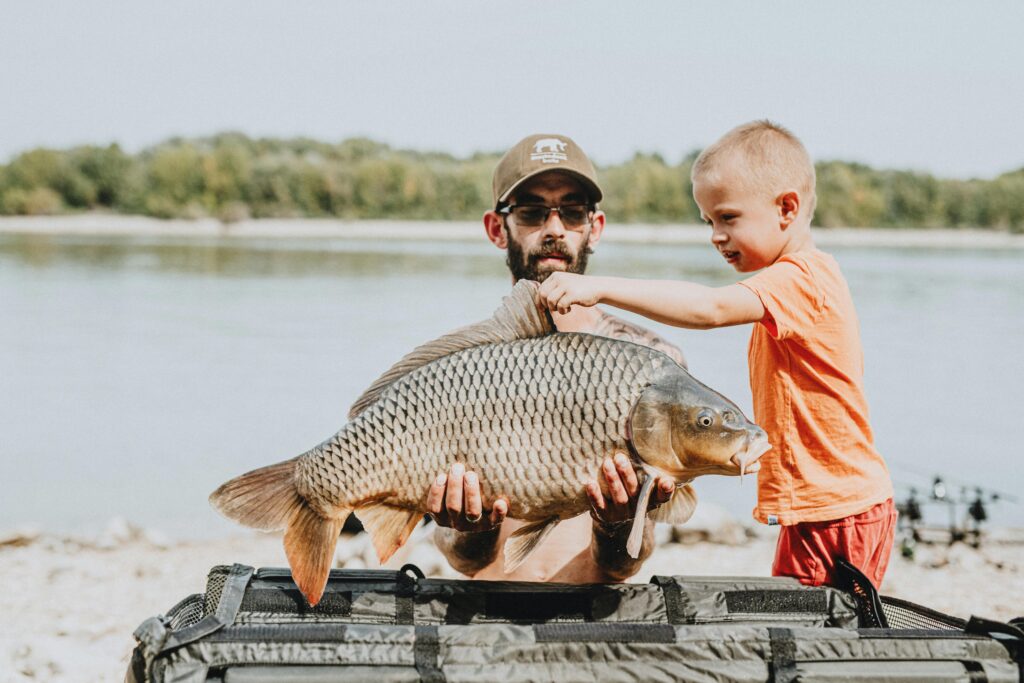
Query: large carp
[{"x": 531, "y": 410}]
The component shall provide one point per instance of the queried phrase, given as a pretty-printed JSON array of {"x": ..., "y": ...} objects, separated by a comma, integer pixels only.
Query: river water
[{"x": 137, "y": 374}]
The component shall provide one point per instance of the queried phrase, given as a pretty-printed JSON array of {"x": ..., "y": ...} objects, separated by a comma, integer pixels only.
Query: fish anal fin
[
  {"x": 309, "y": 544},
  {"x": 524, "y": 540},
  {"x": 679, "y": 507},
  {"x": 389, "y": 526},
  {"x": 518, "y": 317}
]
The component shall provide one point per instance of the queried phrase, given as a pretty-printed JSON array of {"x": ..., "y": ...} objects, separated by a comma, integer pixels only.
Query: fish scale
[{"x": 466, "y": 420}]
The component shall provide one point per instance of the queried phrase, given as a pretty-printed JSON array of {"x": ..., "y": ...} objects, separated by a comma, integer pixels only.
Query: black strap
[
  {"x": 986, "y": 627},
  {"x": 604, "y": 633},
  {"x": 975, "y": 672},
  {"x": 783, "y": 665},
  {"x": 675, "y": 601},
  {"x": 230, "y": 600},
  {"x": 1009, "y": 635},
  {"x": 426, "y": 653},
  {"x": 333, "y": 603},
  {"x": 280, "y": 633},
  {"x": 869, "y": 606},
  {"x": 800, "y": 601},
  {"x": 410, "y": 568},
  {"x": 405, "y": 594}
]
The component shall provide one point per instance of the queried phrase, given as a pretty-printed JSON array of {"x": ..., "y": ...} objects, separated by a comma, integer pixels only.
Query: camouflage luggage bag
[{"x": 254, "y": 626}]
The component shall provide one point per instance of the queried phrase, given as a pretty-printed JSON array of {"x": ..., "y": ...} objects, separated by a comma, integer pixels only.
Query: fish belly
[{"x": 533, "y": 418}]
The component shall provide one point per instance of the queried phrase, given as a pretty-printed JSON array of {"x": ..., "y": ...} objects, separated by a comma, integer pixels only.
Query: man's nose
[{"x": 553, "y": 226}]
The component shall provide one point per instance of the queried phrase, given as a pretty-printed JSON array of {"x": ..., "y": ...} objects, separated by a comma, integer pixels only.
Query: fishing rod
[
  {"x": 975, "y": 500},
  {"x": 939, "y": 485}
]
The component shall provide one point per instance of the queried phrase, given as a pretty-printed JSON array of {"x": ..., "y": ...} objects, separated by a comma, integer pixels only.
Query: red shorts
[{"x": 807, "y": 550}]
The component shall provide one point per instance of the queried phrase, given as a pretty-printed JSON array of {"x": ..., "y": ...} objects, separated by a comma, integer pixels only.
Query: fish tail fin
[
  {"x": 389, "y": 527},
  {"x": 264, "y": 499},
  {"x": 309, "y": 544},
  {"x": 267, "y": 499}
]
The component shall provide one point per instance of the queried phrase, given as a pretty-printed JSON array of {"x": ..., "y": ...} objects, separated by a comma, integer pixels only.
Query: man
[{"x": 545, "y": 217}]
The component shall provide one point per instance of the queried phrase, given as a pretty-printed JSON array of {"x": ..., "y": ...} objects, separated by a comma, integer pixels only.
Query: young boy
[{"x": 823, "y": 480}]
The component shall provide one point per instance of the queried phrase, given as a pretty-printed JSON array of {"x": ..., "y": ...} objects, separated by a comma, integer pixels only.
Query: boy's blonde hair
[{"x": 773, "y": 160}]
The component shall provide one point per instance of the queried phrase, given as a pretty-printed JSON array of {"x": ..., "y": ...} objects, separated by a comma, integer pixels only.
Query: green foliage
[
  {"x": 648, "y": 190},
  {"x": 233, "y": 177}
]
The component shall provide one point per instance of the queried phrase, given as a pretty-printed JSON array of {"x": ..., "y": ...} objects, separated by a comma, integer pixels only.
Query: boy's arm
[{"x": 674, "y": 302}]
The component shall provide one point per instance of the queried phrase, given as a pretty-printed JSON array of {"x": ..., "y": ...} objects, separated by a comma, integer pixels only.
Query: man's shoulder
[{"x": 611, "y": 326}]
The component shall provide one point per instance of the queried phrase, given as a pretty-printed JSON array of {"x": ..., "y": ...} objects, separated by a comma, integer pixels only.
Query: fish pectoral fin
[
  {"x": 524, "y": 540},
  {"x": 636, "y": 533},
  {"x": 388, "y": 526},
  {"x": 679, "y": 507},
  {"x": 309, "y": 544}
]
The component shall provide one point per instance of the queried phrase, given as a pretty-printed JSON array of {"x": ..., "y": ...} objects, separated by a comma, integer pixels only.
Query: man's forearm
[
  {"x": 467, "y": 552},
  {"x": 608, "y": 548}
]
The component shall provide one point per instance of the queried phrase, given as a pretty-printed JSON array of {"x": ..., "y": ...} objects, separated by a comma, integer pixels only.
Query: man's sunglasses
[{"x": 536, "y": 215}]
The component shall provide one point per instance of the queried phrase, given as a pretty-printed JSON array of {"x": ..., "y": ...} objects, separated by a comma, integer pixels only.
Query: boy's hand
[
  {"x": 623, "y": 488},
  {"x": 560, "y": 291}
]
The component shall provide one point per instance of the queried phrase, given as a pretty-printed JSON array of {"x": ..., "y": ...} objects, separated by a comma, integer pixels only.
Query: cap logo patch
[{"x": 549, "y": 151}]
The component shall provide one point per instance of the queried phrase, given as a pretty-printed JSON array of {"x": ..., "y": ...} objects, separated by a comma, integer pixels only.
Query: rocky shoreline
[{"x": 73, "y": 602}]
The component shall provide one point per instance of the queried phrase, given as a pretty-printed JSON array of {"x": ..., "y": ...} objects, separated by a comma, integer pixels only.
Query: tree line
[{"x": 233, "y": 177}]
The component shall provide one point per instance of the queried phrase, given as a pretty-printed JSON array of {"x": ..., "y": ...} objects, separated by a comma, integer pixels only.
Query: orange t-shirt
[{"x": 806, "y": 373}]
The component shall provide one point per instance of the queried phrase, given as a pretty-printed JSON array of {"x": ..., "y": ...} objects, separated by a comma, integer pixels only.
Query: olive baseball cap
[{"x": 540, "y": 153}]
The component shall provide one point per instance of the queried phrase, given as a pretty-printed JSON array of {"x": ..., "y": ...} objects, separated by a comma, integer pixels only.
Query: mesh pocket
[
  {"x": 902, "y": 614},
  {"x": 187, "y": 612},
  {"x": 215, "y": 581}
]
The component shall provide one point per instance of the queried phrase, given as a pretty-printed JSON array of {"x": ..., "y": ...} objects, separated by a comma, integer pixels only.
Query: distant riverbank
[{"x": 142, "y": 226}]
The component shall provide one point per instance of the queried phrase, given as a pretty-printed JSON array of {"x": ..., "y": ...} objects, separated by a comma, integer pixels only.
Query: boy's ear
[{"x": 788, "y": 204}]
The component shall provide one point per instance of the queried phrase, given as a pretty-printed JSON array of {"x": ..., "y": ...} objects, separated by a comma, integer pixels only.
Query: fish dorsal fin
[{"x": 518, "y": 317}]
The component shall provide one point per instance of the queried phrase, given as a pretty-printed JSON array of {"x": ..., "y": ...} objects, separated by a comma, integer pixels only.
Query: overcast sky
[{"x": 929, "y": 85}]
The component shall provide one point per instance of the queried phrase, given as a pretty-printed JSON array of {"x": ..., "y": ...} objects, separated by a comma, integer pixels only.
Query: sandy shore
[
  {"x": 71, "y": 604},
  {"x": 117, "y": 225}
]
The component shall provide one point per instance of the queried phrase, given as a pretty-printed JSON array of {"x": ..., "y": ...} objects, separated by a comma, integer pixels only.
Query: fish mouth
[{"x": 746, "y": 460}]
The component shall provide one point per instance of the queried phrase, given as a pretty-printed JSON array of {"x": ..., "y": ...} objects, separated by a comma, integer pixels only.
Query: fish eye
[{"x": 705, "y": 418}]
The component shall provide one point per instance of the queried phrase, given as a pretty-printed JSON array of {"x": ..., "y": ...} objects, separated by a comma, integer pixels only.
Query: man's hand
[
  {"x": 454, "y": 501},
  {"x": 560, "y": 291},
  {"x": 623, "y": 488}
]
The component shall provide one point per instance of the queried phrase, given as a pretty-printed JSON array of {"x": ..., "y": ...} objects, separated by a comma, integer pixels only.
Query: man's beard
[{"x": 527, "y": 266}]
